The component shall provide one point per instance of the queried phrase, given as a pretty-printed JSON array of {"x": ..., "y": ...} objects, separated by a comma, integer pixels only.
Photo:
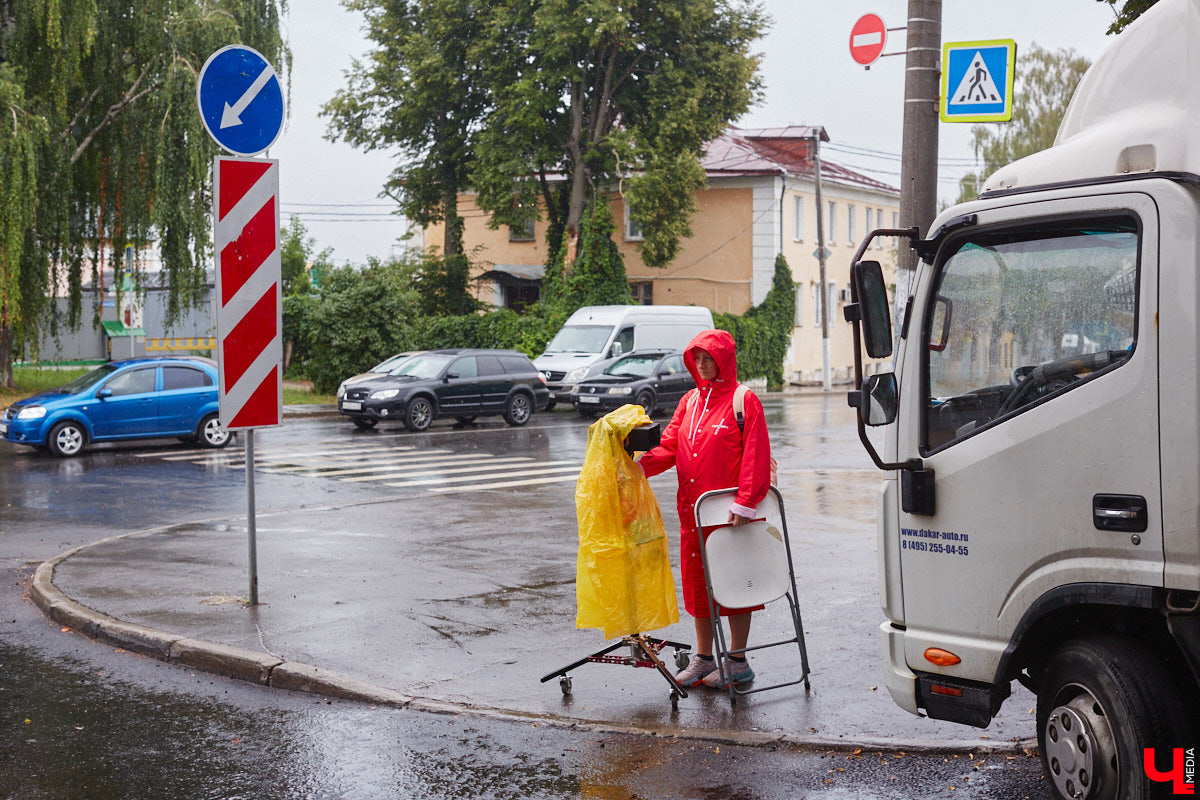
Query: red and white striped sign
[{"x": 249, "y": 317}]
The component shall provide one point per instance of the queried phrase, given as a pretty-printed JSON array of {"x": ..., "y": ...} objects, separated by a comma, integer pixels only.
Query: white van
[{"x": 595, "y": 334}]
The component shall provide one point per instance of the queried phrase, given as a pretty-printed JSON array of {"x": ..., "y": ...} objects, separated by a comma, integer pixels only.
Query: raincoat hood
[{"x": 720, "y": 345}]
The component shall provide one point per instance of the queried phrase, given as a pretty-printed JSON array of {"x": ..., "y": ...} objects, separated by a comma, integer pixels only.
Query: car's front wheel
[
  {"x": 1102, "y": 701},
  {"x": 211, "y": 433},
  {"x": 518, "y": 409},
  {"x": 418, "y": 414},
  {"x": 67, "y": 439}
]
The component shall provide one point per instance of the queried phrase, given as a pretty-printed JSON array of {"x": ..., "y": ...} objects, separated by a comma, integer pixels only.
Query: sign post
[
  {"x": 977, "y": 81},
  {"x": 868, "y": 37},
  {"x": 241, "y": 104}
]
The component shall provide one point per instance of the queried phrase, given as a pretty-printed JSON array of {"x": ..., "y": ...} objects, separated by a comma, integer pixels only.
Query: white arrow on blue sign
[{"x": 240, "y": 100}]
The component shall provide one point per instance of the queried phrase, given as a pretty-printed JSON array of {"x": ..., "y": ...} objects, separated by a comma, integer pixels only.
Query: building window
[
  {"x": 851, "y": 216},
  {"x": 799, "y": 306},
  {"x": 797, "y": 218},
  {"x": 633, "y": 231},
  {"x": 521, "y": 233},
  {"x": 868, "y": 223},
  {"x": 818, "y": 306},
  {"x": 831, "y": 224},
  {"x": 879, "y": 242},
  {"x": 833, "y": 301},
  {"x": 643, "y": 292}
]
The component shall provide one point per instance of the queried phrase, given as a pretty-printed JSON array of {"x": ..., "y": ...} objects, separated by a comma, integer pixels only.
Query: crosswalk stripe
[
  {"x": 393, "y": 466},
  {"x": 504, "y": 484},
  {"x": 460, "y": 479},
  {"x": 481, "y": 467},
  {"x": 302, "y": 455}
]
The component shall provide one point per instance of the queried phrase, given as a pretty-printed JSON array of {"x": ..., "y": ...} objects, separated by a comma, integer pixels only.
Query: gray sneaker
[
  {"x": 737, "y": 671},
  {"x": 696, "y": 671}
]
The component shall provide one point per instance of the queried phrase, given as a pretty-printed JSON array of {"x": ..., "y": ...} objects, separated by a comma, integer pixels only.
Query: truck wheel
[
  {"x": 418, "y": 415},
  {"x": 518, "y": 409},
  {"x": 1102, "y": 700},
  {"x": 67, "y": 439},
  {"x": 550, "y": 405}
]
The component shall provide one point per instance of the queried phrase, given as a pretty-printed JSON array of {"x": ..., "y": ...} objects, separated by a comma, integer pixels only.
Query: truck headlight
[
  {"x": 576, "y": 375},
  {"x": 384, "y": 394},
  {"x": 620, "y": 390},
  {"x": 32, "y": 412}
]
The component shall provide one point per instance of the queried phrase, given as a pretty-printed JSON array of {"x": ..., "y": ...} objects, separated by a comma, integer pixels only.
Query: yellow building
[{"x": 760, "y": 201}]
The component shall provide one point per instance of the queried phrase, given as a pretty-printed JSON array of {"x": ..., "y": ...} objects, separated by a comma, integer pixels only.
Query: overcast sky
[{"x": 809, "y": 75}]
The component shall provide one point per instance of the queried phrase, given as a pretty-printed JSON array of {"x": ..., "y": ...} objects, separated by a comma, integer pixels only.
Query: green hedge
[{"x": 764, "y": 333}]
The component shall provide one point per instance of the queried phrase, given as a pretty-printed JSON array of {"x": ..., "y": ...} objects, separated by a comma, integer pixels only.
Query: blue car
[{"x": 139, "y": 398}]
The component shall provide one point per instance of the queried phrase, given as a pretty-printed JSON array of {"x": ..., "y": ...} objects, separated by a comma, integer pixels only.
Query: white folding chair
[{"x": 746, "y": 566}]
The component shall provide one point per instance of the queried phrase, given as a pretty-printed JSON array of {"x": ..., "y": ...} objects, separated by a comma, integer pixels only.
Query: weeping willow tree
[{"x": 101, "y": 146}]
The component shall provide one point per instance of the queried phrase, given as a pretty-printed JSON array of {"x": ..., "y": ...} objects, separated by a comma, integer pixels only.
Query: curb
[{"x": 272, "y": 671}]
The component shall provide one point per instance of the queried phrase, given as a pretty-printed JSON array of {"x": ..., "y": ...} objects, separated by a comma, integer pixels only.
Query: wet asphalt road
[{"x": 80, "y": 720}]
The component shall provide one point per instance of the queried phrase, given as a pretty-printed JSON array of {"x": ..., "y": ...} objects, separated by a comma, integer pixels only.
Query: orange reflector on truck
[
  {"x": 947, "y": 690},
  {"x": 943, "y": 658}
]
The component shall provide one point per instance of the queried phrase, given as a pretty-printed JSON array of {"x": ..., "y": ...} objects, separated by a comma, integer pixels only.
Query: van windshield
[{"x": 580, "y": 339}]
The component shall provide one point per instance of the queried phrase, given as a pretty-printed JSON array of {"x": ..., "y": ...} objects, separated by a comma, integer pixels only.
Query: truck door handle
[{"x": 1120, "y": 512}]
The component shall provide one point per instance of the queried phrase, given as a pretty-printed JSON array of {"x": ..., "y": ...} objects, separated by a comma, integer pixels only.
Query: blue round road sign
[{"x": 240, "y": 99}]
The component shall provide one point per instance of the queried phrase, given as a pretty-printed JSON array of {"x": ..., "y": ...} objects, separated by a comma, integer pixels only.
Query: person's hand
[{"x": 737, "y": 519}]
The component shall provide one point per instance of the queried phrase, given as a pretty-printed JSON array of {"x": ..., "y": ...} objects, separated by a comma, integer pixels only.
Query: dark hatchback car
[
  {"x": 138, "y": 398},
  {"x": 461, "y": 383},
  {"x": 653, "y": 379}
]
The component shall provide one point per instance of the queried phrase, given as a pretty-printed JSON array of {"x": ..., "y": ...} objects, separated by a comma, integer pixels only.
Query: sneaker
[
  {"x": 697, "y": 670},
  {"x": 738, "y": 672}
]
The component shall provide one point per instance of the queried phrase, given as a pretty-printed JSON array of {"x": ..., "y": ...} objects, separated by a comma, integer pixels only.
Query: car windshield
[
  {"x": 421, "y": 367},
  {"x": 85, "y": 382},
  {"x": 633, "y": 367},
  {"x": 580, "y": 339},
  {"x": 391, "y": 363}
]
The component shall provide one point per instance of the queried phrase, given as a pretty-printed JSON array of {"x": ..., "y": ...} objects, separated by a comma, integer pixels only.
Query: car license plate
[
  {"x": 588, "y": 398},
  {"x": 351, "y": 405}
]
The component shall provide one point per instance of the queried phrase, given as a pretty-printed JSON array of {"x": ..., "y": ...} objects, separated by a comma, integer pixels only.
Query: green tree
[
  {"x": 1046, "y": 79},
  {"x": 102, "y": 145},
  {"x": 420, "y": 92},
  {"x": 602, "y": 94},
  {"x": 764, "y": 333},
  {"x": 297, "y": 259},
  {"x": 1129, "y": 11}
]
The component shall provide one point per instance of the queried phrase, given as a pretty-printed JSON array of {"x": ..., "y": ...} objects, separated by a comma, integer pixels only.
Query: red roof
[{"x": 770, "y": 151}]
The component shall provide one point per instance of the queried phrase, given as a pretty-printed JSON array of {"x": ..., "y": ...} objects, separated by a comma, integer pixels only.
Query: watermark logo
[{"x": 1182, "y": 775}]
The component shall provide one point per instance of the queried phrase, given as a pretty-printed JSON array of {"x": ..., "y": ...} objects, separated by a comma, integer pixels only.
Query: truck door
[{"x": 1034, "y": 387}]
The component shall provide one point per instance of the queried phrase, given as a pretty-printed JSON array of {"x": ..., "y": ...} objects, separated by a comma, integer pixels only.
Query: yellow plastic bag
[{"x": 623, "y": 581}]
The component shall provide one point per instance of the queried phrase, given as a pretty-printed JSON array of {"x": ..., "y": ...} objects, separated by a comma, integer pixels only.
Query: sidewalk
[{"x": 462, "y": 620}]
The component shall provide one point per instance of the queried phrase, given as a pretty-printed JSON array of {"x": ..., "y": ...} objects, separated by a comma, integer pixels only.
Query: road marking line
[
  {"x": 505, "y": 484},
  {"x": 358, "y": 465},
  {"x": 481, "y": 467},
  {"x": 518, "y": 474}
]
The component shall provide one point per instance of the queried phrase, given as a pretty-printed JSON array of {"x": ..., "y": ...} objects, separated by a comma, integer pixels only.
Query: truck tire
[{"x": 1102, "y": 700}]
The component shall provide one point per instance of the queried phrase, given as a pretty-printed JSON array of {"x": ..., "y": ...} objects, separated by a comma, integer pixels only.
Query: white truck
[{"x": 1040, "y": 518}]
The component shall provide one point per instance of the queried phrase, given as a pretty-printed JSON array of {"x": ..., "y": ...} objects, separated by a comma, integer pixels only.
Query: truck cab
[{"x": 1040, "y": 516}]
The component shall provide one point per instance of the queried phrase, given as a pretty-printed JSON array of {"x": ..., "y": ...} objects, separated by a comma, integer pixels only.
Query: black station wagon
[{"x": 459, "y": 383}]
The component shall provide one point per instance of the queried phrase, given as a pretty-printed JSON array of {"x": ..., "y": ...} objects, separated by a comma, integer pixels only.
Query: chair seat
[{"x": 747, "y": 565}]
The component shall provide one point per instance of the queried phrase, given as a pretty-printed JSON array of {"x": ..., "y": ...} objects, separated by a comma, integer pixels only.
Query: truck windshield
[
  {"x": 1021, "y": 314},
  {"x": 580, "y": 339}
]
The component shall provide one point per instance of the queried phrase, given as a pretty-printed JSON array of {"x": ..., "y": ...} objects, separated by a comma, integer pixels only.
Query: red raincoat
[{"x": 708, "y": 452}]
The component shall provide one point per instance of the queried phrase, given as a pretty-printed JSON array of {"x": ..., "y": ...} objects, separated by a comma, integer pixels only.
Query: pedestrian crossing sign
[{"x": 977, "y": 80}]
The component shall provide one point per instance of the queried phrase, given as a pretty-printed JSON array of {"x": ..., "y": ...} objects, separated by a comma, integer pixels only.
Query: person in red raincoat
[{"x": 703, "y": 443}]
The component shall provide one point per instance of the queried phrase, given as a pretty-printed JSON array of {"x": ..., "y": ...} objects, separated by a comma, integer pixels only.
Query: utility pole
[
  {"x": 918, "y": 167},
  {"x": 822, "y": 290}
]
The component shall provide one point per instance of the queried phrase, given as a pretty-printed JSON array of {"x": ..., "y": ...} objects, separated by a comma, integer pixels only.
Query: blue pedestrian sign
[
  {"x": 240, "y": 99},
  {"x": 977, "y": 81}
]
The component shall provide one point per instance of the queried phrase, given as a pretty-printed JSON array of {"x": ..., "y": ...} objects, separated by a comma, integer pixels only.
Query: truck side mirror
[
  {"x": 616, "y": 349},
  {"x": 876, "y": 400},
  {"x": 939, "y": 330},
  {"x": 876, "y": 316}
]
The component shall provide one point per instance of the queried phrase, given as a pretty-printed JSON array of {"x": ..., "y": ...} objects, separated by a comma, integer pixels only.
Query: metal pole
[
  {"x": 823, "y": 289},
  {"x": 250, "y": 517},
  {"x": 918, "y": 167}
]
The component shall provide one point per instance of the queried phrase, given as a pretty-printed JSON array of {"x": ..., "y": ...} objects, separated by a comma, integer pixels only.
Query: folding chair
[{"x": 747, "y": 566}]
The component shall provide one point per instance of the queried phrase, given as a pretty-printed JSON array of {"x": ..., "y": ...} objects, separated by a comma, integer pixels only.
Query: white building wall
[{"x": 766, "y": 237}]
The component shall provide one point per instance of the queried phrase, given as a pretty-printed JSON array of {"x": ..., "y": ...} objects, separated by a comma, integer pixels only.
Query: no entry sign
[
  {"x": 249, "y": 340},
  {"x": 867, "y": 39}
]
